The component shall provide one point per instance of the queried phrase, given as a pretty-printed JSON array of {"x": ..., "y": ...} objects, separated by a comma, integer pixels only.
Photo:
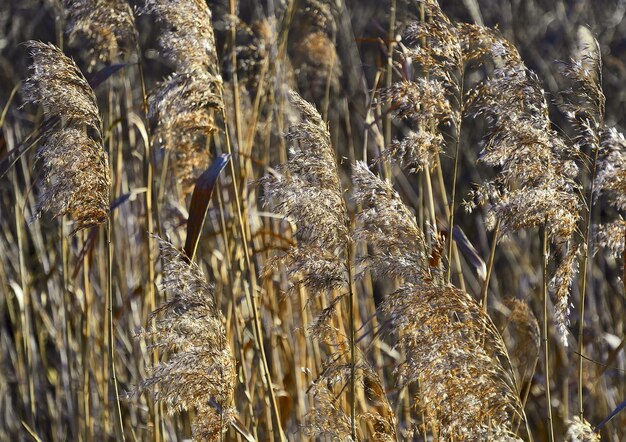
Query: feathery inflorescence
[
  {"x": 453, "y": 350},
  {"x": 328, "y": 418},
  {"x": 536, "y": 184},
  {"x": 199, "y": 373},
  {"x": 180, "y": 112},
  {"x": 74, "y": 172},
  {"x": 611, "y": 177},
  {"x": 181, "y": 109},
  {"x": 108, "y": 25},
  {"x": 307, "y": 191},
  {"x": 610, "y": 182},
  {"x": 387, "y": 225},
  {"x": 584, "y": 102},
  {"x": 187, "y": 40},
  {"x": 432, "y": 100},
  {"x": 580, "y": 431},
  {"x": 316, "y": 64},
  {"x": 522, "y": 337}
]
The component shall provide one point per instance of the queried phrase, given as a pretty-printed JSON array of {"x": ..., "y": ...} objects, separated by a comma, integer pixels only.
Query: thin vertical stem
[
  {"x": 351, "y": 313},
  {"x": 86, "y": 351},
  {"x": 544, "y": 289},
  {"x": 388, "y": 81},
  {"x": 109, "y": 285},
  {"x": 492, "y": 255},
  {"x": 25, "y": 314},
  {"x": 454, "y": 179},
  {"x": 429, "y": 198},
  {"x": 155, "y": 410},
  {"x": 583, "y": 283},
  {"x": 258, "y": 333}
]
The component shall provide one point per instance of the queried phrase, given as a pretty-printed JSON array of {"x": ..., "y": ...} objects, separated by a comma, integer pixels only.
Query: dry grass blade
[{"x": 200, "y": 203}]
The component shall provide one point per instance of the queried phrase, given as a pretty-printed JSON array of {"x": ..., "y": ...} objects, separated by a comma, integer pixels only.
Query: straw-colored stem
[
  {"x": 109, "y": 285},
  {"x": 155, "y": 410},
  {"x": 351, "y": 313},
  {"x": 453, "y": 193},
  {"x": 86, "y": 344},
  {"x": 258, "y": 334},
  {"x": 430, "y": 201},
  {"x": 25, "y": 315},
  {"x": 492, "y": 256},
  {"x": 456, "y": 258},
  {"x": 583, "y": 284},
  {"x": 544, "y": 289},
  {"x": 233, "y": 298}
]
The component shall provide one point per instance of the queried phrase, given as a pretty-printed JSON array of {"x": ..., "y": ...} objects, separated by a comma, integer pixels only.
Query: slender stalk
[
  {"x": 583, "y": 283},
  {"x": 109, "y": 248},
  {"x": 66, "y": 298},
  {"x": 25, "y": 315},
  {"x": 86, "y": 338},
  {"x": 251, "y": 298},
  {"x": 241, "y": 207},
  {"x": 544, "y": 244},
  {"x": 233, "y": 300},
  {"x": 454, "y": 179},
  {"x": 429, "y": 198},
  {"x": 155, "y": 410},
  {"x": 456, "y": 258},
  {"x": 492, "y": 255},
  {"x": 388, "y": 82},
  {"x": 351, "y": 313}
]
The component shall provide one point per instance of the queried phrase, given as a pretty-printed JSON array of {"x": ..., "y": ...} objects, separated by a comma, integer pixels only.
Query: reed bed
[{"x": 312, "y": 220}]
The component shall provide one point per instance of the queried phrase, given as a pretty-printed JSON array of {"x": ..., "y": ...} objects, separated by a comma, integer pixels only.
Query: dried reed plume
[
  {"x": 584, "y": 102},
  {"x": 433, "y": 49},
  {"x": 187, "y": 39},
  {"x": 611, "y": 236},
  {"x": 199, "y": 373},
  {"x": 307, "y": 191},
  {"x": 253, "y": 49},
  {"x": 536, "y": 183},
  {"x": 182, "y": 107},
  {"x": 535, "y": 186},
  {"x": 108, "y": 25},
  {"x": 610, "y": 182},
  {"x": 584, "y": 105},
  {"x": 611, "y": 177},
  {"x": 181, "y": 117},
  {"x": 453, "y": 350},
  {"x": 397, "y": 244},
  {"x": 580, "y": 431},
  {"x": 316, "y": 63},
  {"x": 560, "y": 285},
  {"x": 522, "y": 335},
  {"x": 74, "y": 172},
  {"x": 328, "y": 419}
]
